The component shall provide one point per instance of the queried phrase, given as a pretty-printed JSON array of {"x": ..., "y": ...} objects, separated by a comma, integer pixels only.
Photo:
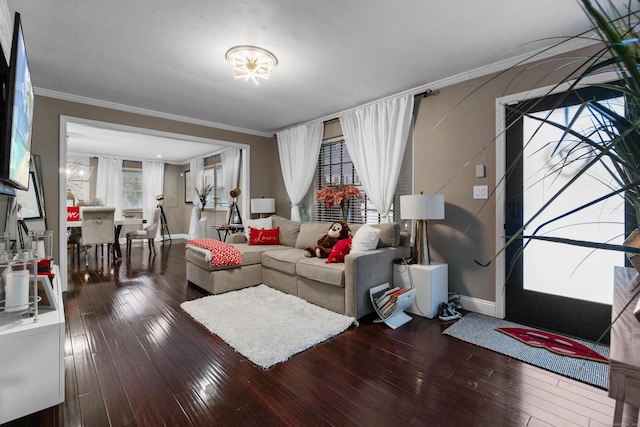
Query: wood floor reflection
[{"x": 134, "y": 358}]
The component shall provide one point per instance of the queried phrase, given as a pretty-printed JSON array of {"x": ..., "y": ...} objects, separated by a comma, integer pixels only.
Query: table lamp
[
  {"x": 422, "y": 207},
  {"x": 263, "y": 206}
]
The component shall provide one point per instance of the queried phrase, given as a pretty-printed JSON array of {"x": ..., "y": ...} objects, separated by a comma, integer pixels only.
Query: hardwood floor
[{"x": 134, "y": 358}]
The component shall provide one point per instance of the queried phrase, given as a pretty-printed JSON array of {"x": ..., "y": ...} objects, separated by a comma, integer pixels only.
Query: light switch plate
[
  {"x": 480, "y": 171},
  {"x": 480, "y": 191}
]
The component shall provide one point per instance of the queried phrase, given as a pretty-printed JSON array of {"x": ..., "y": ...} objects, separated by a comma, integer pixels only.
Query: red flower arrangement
[{"x": 331, "y": 197}]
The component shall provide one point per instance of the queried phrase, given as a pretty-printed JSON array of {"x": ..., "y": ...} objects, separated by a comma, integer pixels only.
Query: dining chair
[
  {"x": 97, "y": 228},
  {"x": 148, "y": 233},
  {"x": 74, "y": 242}
]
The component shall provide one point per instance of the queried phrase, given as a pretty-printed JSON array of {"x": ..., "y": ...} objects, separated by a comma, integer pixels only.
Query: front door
[{"x": 559, "y": 287}]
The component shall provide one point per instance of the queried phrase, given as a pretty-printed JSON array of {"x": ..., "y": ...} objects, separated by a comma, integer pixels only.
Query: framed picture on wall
[
  {"x": 188, "y": 187},
  {"x": 30, "y": 200}
]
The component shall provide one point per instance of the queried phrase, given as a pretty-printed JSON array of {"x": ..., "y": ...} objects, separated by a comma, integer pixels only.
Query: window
[
  {"x": 219, "y": 198},
  {"x": 335, "y": 167},
  {"x": 131, "y": 189}
]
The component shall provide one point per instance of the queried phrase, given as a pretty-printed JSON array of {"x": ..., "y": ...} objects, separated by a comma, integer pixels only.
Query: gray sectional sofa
[{"x": 340, "y": 287}]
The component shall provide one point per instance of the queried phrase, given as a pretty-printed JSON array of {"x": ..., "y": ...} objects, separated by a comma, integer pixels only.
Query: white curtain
[
  {"x": 152, "y": 185},
  {"x": 230, "y": 168},
  {"x": 376, "y": 136},
  {"x": 109, "y": 183},
  {"x": 299, "y": 148},
  {"x": 193, "y": 223},
  {"x": 197, "y": 171}
]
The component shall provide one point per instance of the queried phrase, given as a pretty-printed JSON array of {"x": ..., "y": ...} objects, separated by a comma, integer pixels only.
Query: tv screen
[{"x": 19, "y": 114}]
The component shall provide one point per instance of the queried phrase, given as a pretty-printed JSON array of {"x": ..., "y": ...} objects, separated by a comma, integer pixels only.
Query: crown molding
[
  {"x": 559, "y": 48},
  {"x": 145, "y": 112}
]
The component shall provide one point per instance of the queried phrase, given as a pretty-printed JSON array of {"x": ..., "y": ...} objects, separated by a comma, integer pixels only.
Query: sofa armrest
[
  {"x": 363, "y": 271},
  {"x": 236, "y": 238}
]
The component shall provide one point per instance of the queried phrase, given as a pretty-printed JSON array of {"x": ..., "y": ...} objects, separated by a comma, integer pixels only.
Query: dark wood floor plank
[
  {"x": 93, "y": 410},
  {"x": 144, "y": 409},
  {"x": 93, "y": 333},
  {"x": 199, "y": 414},
  {"x": 116, "y": 401},
  {"x": 70, "y": 409},
  {"x": 170, "y": 409},
  {"x": 85, "y": 370},
  {"x": 130, "y": 345}
]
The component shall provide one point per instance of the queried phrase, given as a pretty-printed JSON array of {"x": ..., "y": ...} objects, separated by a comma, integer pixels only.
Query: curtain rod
[{"x": 427, "y": 93}]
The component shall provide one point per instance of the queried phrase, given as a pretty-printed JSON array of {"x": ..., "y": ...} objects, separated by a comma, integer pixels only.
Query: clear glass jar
[{"x": 16, "y": 285}]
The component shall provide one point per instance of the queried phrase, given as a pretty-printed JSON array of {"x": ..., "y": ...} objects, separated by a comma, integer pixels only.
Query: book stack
[{"x": 387, "y": 300}]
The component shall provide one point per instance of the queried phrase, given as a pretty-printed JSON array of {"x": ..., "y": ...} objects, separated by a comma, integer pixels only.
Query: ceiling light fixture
[{"x": 251, "y": 62}]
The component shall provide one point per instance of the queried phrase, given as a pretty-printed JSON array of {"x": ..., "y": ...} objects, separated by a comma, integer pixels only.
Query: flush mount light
[{"x": 251, "y": 62}]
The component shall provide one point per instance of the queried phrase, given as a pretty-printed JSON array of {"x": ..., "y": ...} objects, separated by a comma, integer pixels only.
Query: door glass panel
[{"x": 561, "y": 269}]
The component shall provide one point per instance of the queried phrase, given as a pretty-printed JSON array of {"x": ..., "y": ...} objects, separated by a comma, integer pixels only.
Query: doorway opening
[{"x": 182, "y": 139}]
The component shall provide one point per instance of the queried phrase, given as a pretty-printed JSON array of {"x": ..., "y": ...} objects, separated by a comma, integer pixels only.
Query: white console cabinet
[
  {"x": 32, "y": 361},
  {"x": 431, "y": 283}
]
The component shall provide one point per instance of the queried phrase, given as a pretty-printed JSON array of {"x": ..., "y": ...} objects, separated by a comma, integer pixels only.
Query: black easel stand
[
  {"x": 22, "y": 226},
  {"x": 163, "y": 224},
  {"x": 234, "y": 214}
]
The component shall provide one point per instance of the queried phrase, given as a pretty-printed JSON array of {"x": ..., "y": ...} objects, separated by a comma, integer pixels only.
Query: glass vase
[{"x": 344, "y": 209}]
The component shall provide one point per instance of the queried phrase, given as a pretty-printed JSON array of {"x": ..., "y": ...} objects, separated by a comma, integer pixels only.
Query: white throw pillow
[
  {"x": 257, "y": 223},
  {"x": 365, "y": 239}
]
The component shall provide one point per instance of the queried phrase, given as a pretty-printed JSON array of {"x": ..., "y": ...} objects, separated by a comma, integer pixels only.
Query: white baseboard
[{"x": 488, "y": 308}]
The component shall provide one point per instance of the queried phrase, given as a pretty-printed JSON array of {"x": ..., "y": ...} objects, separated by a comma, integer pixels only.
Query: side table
[
  {"x": 227, "y": 229},
  {"x": 431, "y": 283}
]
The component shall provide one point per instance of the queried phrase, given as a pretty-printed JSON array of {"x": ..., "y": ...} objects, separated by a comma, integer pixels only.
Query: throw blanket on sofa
[{"x": 221, "y": 254}]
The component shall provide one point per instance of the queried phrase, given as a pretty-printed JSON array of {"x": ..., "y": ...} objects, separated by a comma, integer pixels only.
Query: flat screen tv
[{"x": 18, "y": 114}]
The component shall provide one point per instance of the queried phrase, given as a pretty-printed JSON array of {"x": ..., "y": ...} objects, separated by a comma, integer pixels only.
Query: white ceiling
[
  {"x": 96, "y": 141},
  {"x": 168, "y": 57}
]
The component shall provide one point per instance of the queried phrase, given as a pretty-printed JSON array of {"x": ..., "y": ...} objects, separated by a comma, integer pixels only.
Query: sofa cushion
[
  {"x": 252, "y": 254},
  {"x": 365, "y": 239},
  {"x": 288, "y": 230},
  {"x": 282, "y": 260},
  {"x": 316, "y": 269},
  {"x": 389, "y": 233},
  {"x": 310, "y": 233},
  {"x": 256, "y": 223}
]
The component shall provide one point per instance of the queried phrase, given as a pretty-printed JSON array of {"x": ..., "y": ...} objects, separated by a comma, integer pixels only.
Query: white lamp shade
[
  {"x": 422, "y": 206},
  {"x": 263, "y": 205}
]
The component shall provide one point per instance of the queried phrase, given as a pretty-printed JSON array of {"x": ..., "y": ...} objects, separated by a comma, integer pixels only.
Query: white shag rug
[{"x": 265, "y": 325}]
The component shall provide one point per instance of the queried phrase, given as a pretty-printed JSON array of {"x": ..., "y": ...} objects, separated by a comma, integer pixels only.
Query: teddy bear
[{"x": 337, "y": 231}]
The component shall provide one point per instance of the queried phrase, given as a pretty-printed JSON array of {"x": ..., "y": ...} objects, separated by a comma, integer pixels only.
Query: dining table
[{"x": 117, "y": 228}]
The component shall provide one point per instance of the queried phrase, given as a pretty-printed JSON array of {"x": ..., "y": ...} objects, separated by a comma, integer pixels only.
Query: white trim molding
[
  {"x": 245, "y": 180},
  {"x": 142, "y": 111},
  {"x": 500, "y": 262}
]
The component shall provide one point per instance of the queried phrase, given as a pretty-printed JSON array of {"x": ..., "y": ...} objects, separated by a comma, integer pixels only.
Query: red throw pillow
[
  {"x": 339, "y": 251},
  {"x": 264, "y": 236}
]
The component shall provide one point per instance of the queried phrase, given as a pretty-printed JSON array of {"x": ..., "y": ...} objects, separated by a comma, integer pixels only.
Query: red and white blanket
[{"x": 221, "y": 254}]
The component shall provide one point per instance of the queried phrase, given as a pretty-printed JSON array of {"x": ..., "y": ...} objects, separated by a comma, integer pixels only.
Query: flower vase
[{"x": 344, "y": 209}]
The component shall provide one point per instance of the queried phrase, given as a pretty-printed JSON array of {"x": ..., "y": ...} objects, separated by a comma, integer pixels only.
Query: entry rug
[
  {"x": 265, "y": 325},
  {"x": 481, "y": 330}
]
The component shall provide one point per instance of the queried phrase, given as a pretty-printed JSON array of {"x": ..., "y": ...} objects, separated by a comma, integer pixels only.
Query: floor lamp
[{"x": 422, "y": 207}]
